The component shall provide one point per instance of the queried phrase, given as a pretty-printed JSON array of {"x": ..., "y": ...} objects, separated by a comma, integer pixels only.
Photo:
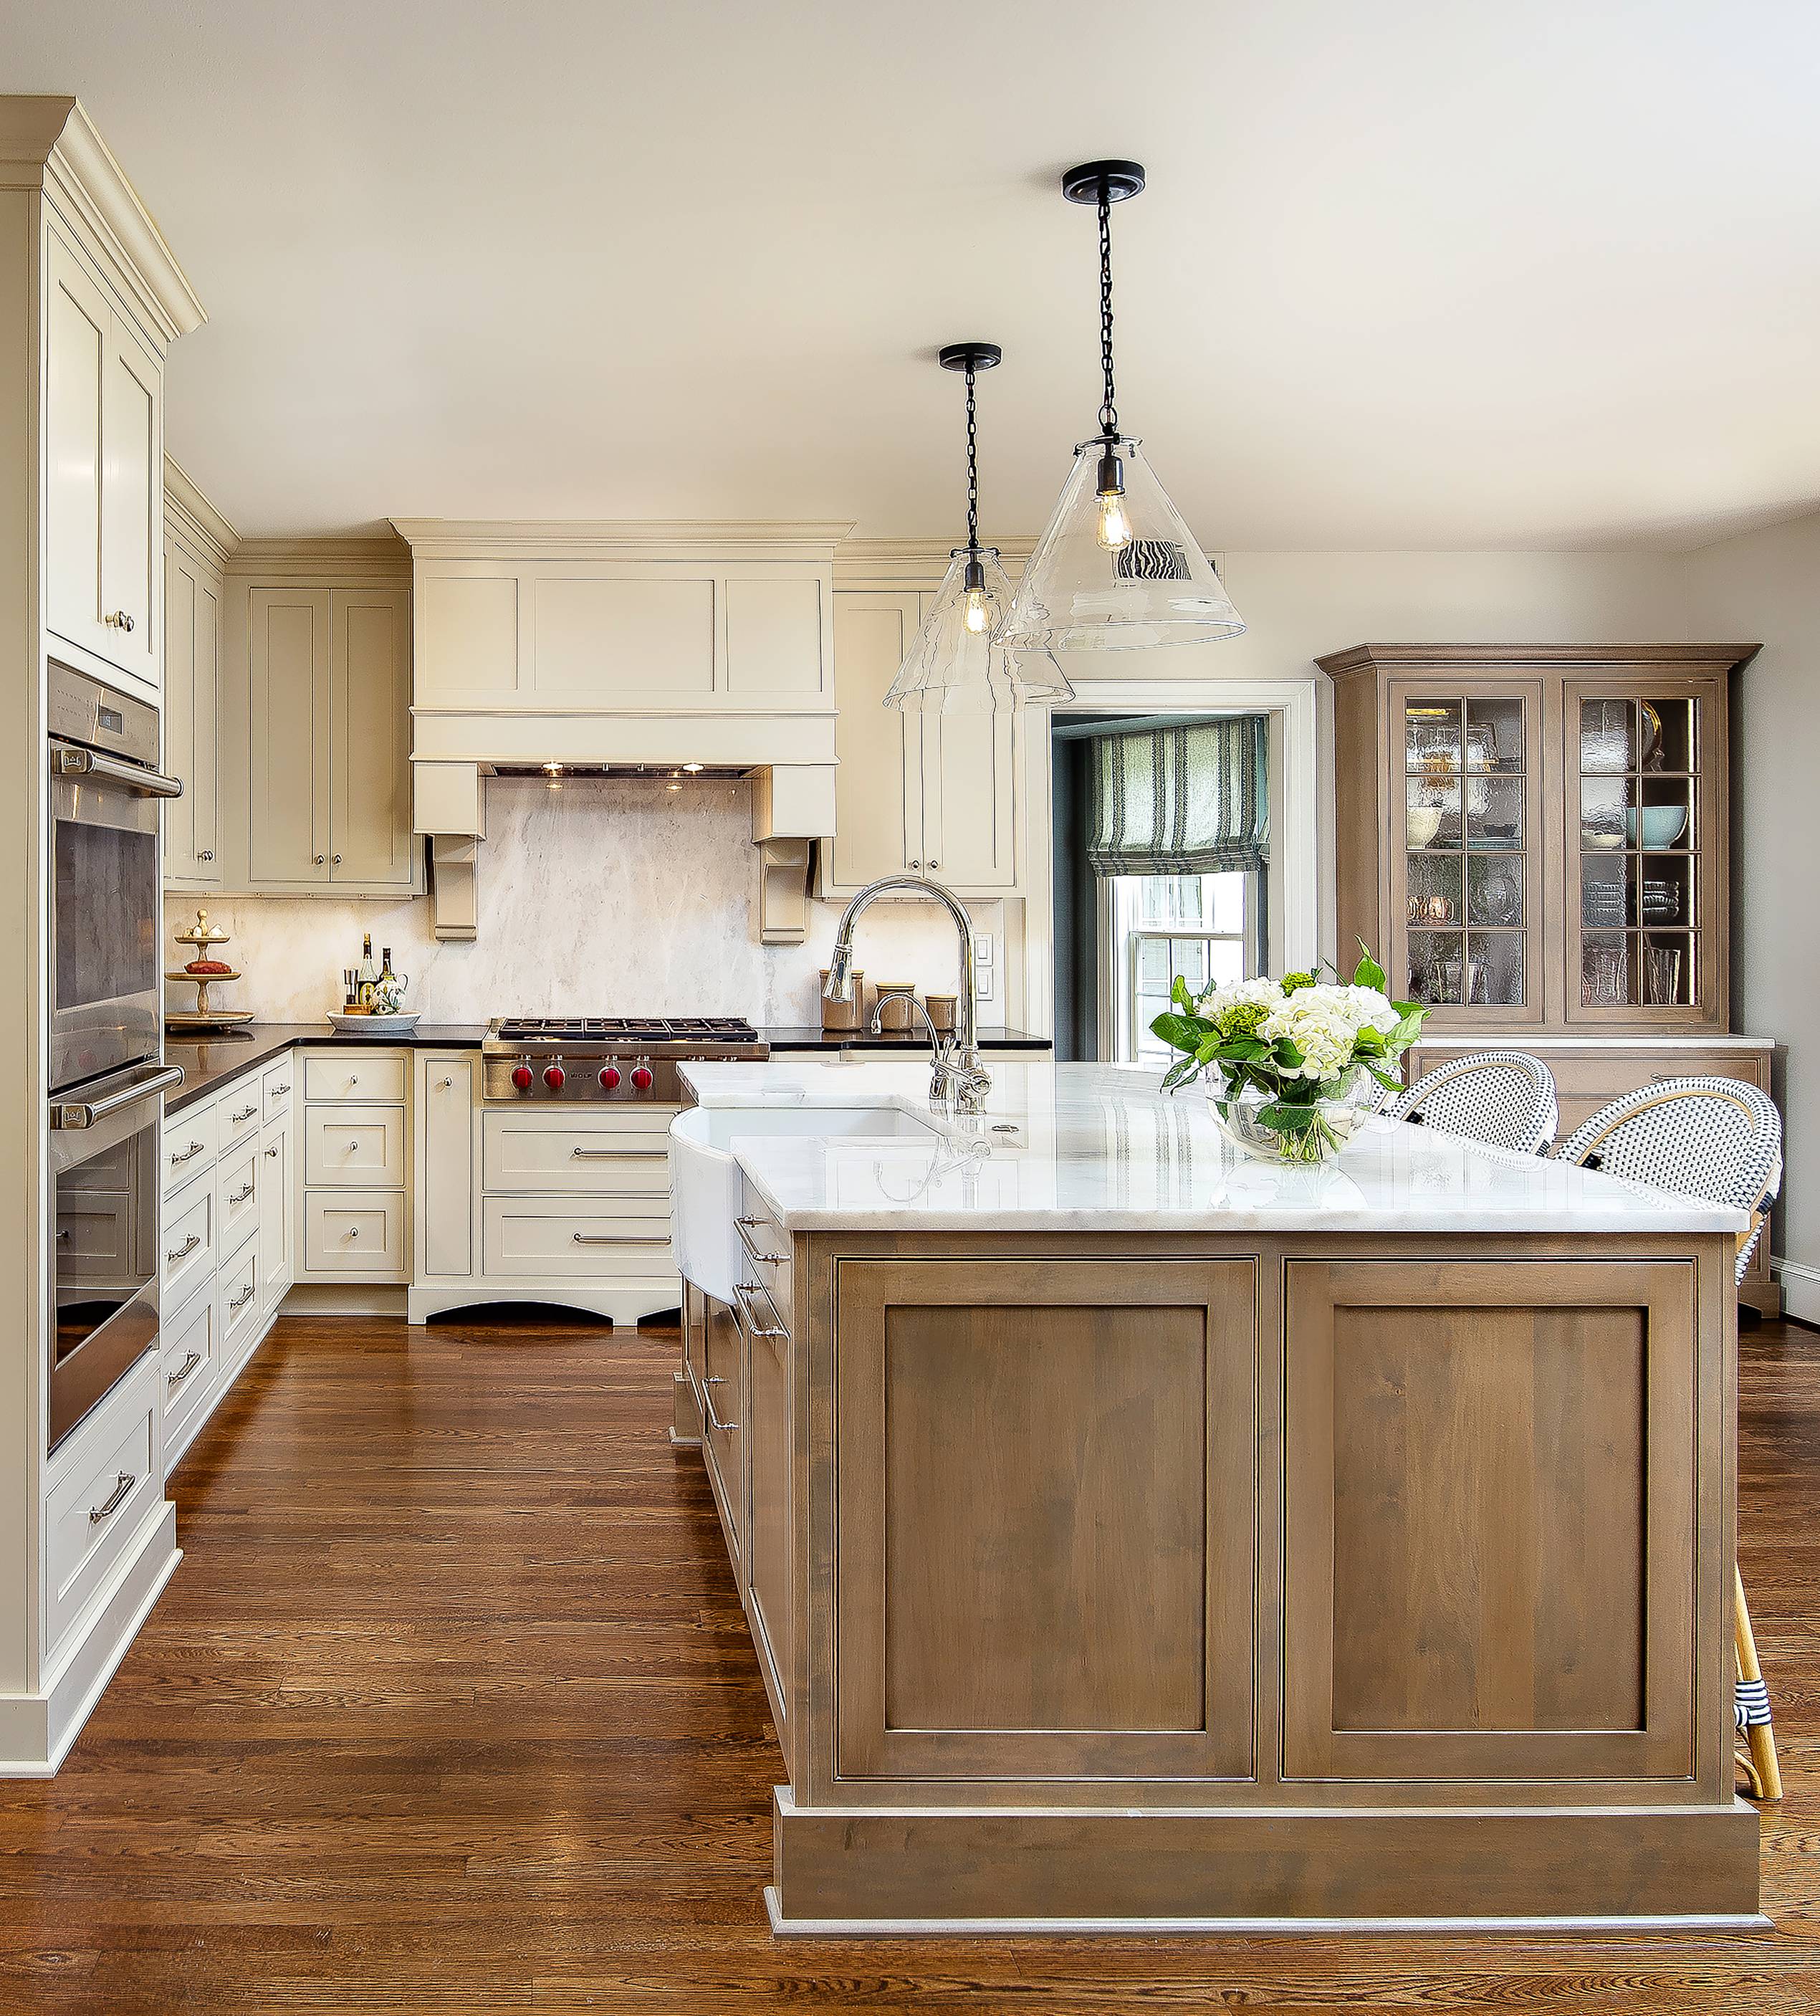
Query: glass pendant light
[
  {"x": 1116, "y": 569},
  {"x": 958, "y": 662}
]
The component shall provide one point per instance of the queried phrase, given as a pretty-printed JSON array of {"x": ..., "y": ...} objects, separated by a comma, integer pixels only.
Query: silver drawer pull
[
  {"x": 271, "y": 1152},
  {"x": 114, "y": 1500},
  {"x": 714, "y": 1421},
  {"x": 743, "y": 1292},
  {"x": 764, "y": 1259},
  {"x": 280, "y": 1091},
  {"x": 617, "y": 1238},
  {"x": 188, "y": 1154},
  {"x": 246, "y": 1113},
  {"x": 189, "y": 1246},
  {"x": 246, "y": 1295},
  {"x": 240, "y": 1197},
  {"x": 189, "y": 1365},
  {"x": 607, "y": 1154}
]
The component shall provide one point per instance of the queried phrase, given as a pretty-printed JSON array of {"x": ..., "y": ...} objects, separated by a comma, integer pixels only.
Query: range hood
[{"x": 623, "y": 647}]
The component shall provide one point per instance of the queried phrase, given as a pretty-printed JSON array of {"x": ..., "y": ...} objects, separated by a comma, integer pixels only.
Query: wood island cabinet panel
[
  {"x": 723, "y": 1388},
  {"x": 1489, "y": 1520},
  {"x": 770, "y": 1498},
  {"x": 1046, "y": 1491}
]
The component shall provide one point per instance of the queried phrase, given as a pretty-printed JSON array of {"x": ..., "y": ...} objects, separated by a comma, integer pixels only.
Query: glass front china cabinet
[{"x": 1534, "y": 837}]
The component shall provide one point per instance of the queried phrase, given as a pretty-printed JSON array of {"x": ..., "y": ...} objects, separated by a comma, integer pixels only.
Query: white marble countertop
[{"x": 1096, "y": 1147}]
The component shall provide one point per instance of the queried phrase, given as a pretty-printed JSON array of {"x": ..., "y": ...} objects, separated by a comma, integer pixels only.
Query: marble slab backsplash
[{"x": 608, "y": 896}]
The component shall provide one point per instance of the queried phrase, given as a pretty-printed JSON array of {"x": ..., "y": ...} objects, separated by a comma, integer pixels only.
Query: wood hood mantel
[{"x": 608, "y": 641}]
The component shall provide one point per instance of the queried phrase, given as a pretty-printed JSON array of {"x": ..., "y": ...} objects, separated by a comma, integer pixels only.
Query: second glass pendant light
[{"x": 957, "y": 661}]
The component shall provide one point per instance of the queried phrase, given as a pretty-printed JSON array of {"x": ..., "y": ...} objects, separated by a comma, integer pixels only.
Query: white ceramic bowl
[
  {"x": 1421, "y": 823},
  {"x": 376, "y": 1025}
]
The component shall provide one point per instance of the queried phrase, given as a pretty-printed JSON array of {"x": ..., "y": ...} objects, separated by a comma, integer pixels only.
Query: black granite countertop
[
  {"x": 211, "y": 1062},
  {"x": 809, "y": 1037}
]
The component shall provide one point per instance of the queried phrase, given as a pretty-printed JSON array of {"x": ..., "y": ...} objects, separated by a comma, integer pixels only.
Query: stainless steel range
[{"x": 595, "y": 1058}]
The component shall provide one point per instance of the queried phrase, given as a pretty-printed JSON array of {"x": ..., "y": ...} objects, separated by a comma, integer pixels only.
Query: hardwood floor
[{"x": 451, "y": 1707}]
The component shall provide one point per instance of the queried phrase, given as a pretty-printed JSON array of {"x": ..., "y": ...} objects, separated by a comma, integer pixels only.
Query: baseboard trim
[
  {"x": 333, "y": 1298},
  {"x": 42, "y": 1728},
  {"x": 1800, "y": 1286},
  {"x": 1125, "y": 1928},
  {"x": 621, "y": 1303}
]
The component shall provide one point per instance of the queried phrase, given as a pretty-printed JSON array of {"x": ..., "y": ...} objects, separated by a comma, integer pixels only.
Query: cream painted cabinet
[
  {"x": 329, "y": 720},
  {"x": 192, "y": 712},
  {"x": 104, "y": 492},
  {"x": 936, "y": 795},
  {"x": 445, "y": 1163}
]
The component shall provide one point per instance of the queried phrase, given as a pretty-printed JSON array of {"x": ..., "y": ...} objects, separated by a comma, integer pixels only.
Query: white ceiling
[{"x": 1412, "y": 273}]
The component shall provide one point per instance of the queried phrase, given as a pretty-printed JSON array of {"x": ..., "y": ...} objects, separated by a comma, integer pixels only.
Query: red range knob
[
  {"x": 610, "y": 1076},
  {"x": 521, "y": 1077},
  {"x": 642, "y": 1077},
  {"x": 553, "y": 1077}
]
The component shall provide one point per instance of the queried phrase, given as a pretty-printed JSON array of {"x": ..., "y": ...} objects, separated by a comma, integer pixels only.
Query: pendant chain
[
  {"x": 1108, "y": 411},
  {"x": 973, "y": 471}
]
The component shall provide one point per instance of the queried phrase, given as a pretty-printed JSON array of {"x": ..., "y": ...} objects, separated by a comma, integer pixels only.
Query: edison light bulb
[
  {"x": 1114, "y": 529},
  {"x": 979, "y": 612}
]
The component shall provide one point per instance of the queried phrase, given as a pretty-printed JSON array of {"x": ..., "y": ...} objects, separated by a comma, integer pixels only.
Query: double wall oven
[{"x": 107, "y": 1038}]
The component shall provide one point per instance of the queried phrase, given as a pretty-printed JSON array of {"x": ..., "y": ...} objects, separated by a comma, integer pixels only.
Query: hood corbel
[{"x": 448, "y": 809}]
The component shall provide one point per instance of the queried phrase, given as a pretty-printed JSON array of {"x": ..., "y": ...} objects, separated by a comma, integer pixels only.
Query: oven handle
[
  {"x": 75, "y": 1115},
  {"x": 66, "y": 761}
]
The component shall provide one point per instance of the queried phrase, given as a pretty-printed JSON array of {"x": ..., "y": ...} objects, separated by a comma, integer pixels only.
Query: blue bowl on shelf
[{"x": 1662, "y": 824}]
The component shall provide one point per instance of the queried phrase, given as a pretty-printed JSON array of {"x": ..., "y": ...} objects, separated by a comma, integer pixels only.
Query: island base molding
[{"x": 862, "y": 1871}]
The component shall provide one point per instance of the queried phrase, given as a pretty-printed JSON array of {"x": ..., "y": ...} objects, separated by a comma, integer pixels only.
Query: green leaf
[
  {"x": 1384, "y": 1078},
  {"x": 1179, "y": 1073},
  {"x": 1368, "y": 973},
  {"x": 1179, "y": 993},
  {"x": 1181, "y": 1032},
  {"x": 1281, "y": 1118}
]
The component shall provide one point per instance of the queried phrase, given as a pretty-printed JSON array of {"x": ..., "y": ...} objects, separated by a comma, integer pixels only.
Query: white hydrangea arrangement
[{"x": 1291, "y": 1048}]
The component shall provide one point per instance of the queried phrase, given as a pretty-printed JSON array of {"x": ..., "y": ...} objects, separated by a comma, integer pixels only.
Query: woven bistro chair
[
  {"x": 1722, "y": 1139},
  {"x": 1504, "y": 1098}
]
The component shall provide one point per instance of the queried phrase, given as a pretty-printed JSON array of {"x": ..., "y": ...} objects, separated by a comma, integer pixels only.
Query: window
[{"x": 1207, "y": 929}]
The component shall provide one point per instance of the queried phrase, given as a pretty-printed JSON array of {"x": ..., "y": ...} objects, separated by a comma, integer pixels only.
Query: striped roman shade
[{"x": 1186, "y": 798}]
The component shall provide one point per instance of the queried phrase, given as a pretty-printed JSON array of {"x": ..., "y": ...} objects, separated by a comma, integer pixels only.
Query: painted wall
[
  {"x": 1766, "y": 586},
  {"x": 604, "y": 896}
]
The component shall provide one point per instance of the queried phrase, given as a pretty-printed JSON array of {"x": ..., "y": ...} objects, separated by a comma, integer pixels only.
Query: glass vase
[{"x": 1270, "y": 1129}]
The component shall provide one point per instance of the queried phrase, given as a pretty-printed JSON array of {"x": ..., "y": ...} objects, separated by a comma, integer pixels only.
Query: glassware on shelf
[
  {"x": 1606, "y": 969},
  {"x": 1494, "y": 735},
  {"x": 1495, "y": 889},
  {"x": 1666, "y": 968},
  {"x": 1431, "y": 737},
  {"x": 1604, "y": 805},
  {"x": 1608, "y": 737},
  {"x": 1432, "y": 955},
  {"x": 1494, "y": 812},
  {"x": 1495, "y": 969}
]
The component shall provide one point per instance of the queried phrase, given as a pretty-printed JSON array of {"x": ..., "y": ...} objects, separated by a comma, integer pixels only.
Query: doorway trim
[{"x": 1293, "y": 876}]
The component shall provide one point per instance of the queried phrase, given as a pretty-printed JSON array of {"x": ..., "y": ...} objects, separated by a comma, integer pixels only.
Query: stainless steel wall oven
[{"x": 106, "y": 1038}]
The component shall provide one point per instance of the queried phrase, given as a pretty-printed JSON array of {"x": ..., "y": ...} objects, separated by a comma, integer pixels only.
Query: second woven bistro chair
[
  {"x": 1504, "y": 1098},
  {"x": 1722, "y": 1139}
]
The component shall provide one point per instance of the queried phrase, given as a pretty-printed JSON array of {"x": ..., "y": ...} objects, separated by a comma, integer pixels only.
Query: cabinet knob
[
  {"x": 445, "y": 1084},
  {"x": 916, "y": 864},
  {"x": 317, "y": 859},
  {"x": 336, "y": 859},
  {"x": 935, "y": 864},
  {"x": 118, "y": 621},
  {"x": 207, "y": 853}
]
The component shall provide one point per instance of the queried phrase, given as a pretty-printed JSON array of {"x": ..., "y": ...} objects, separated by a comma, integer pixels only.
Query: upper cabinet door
[
  {"x": 878, "y": 781},
  {"x": 132, "y": 502},
  {"x": 369, "y": 811},
  {"x": 105, "y": 459},
  {"x": 192, "y": 719},
  {"x": 289, "y": 721},
  {"x": 79, "y": 347},
  {"x": 970, "y": 799}
]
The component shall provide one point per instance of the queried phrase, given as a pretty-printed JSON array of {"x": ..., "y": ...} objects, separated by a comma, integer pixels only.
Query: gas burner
[{"x": 592, "y": 1059}]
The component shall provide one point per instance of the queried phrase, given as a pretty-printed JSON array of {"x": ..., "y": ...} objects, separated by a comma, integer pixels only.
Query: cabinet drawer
[
  {"x": 187, "y": 1243},
  {"x": 723, "y": 1403},
  {"x": 237, "y": 1198},
  {"x": 189, "y": 1144},
  {"x": 574, "y": 1238},
  {"x": 346, "y": 1233},
  {"x": 527, "y": 1152},
  {"x": 768, "y": 1254},
  {"x": 110, "y": 1482},
  {"x": 275, "y": 1090},
  {"x": 237, "y": 1113},
  {"x": 190, "y": 1363},
  {"x": 381, "y": 1077},
  {"x": 355, "y": 1144},
  {"x": 238, "y": 1292},
  {"x": 97, "y": 1235}
]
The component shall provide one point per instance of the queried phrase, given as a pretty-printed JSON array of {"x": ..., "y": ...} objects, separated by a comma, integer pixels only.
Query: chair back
[
  {"x": 1705, "y": 1137},
  {"x": 1504, "y": 1098}
]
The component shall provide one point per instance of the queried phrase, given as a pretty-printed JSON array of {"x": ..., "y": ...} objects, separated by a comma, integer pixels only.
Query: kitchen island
[{"x": 1135, "y": 1536}]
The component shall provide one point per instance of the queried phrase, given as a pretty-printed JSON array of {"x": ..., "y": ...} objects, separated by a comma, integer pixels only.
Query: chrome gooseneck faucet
[{"x": 958, "y": 1079}]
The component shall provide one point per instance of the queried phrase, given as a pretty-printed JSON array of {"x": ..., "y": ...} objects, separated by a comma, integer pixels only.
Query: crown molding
[
  {"x": 301, "y": 562},
  {"x": 52, "y": 141},
  {"x": 194, "y": 519},
  {"x": 621, "y": 539}
]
